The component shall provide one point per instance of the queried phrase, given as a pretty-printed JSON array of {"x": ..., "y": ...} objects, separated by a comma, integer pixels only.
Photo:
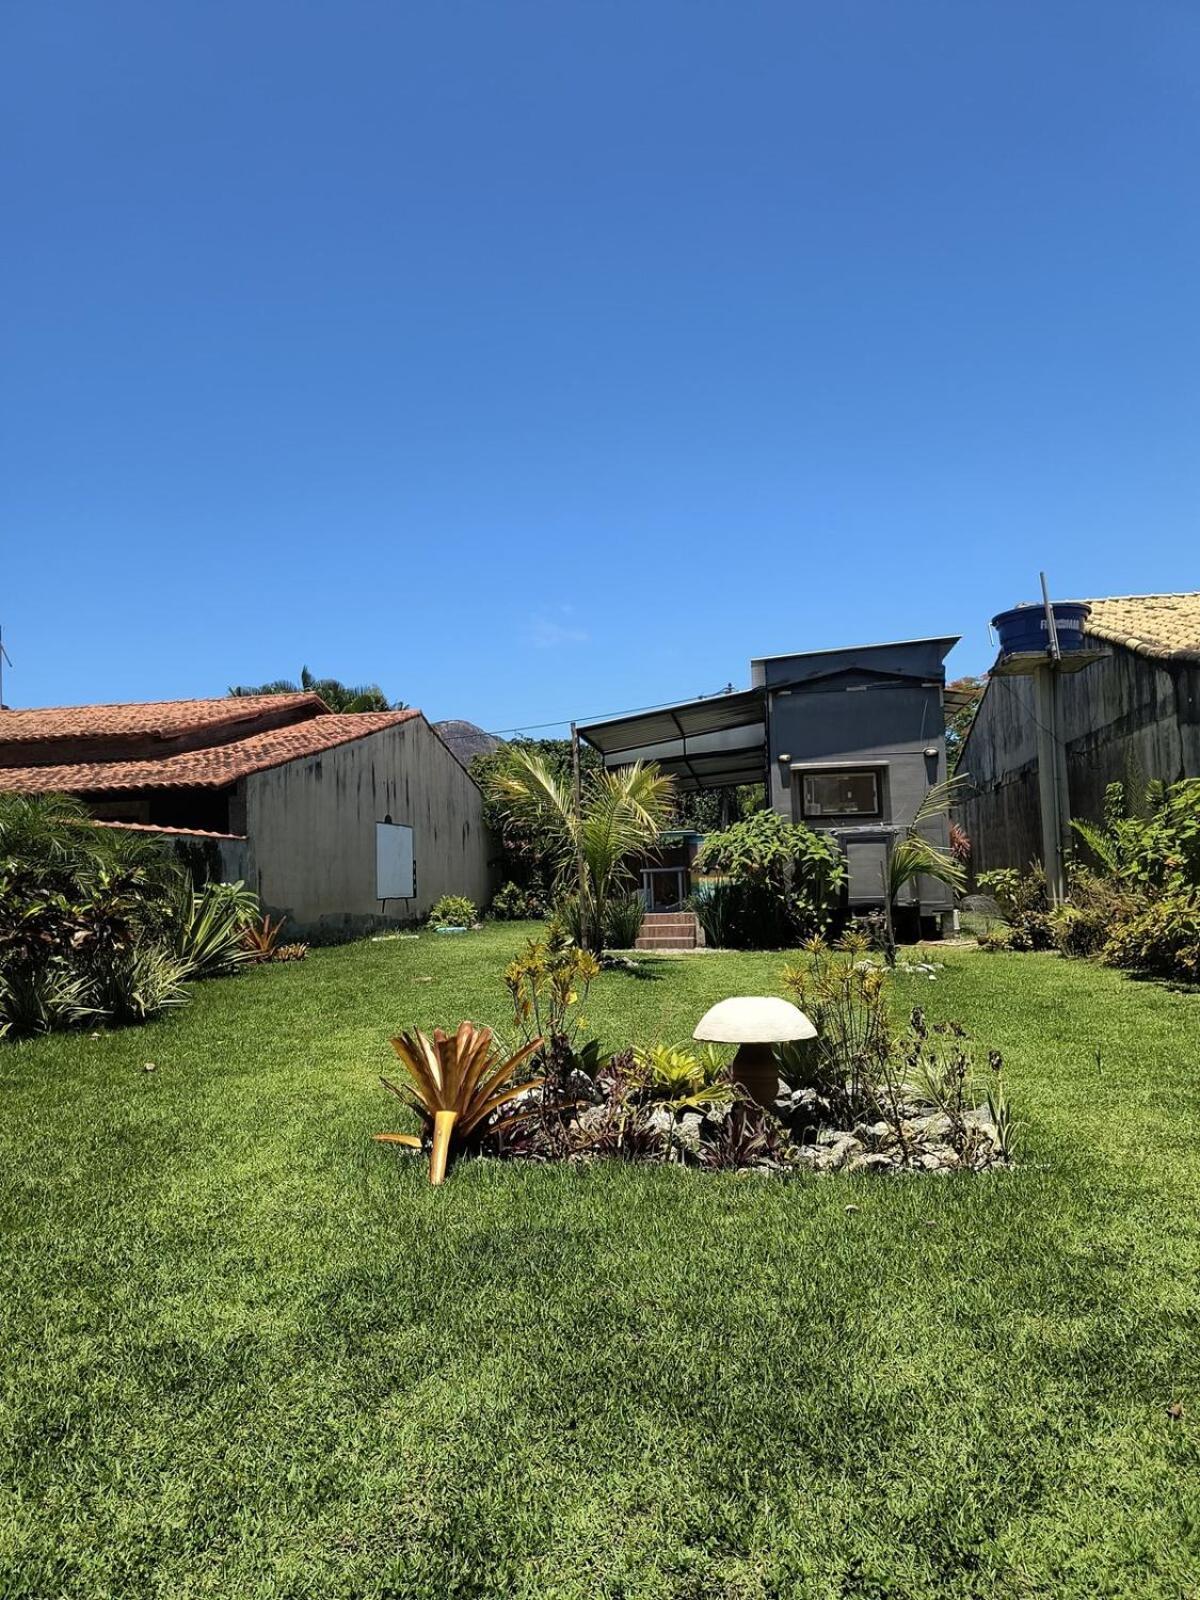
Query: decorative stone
[
  {"x": 687, "y": 1132},
  {"x": 871, "y": 1163},
  {"x": 661, "y": 1122},
  {"x": 593, "y": 1119},
  {"x": 581, "y": 1087}
]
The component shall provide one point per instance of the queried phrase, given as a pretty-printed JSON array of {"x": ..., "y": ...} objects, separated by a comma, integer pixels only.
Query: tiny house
[{"x": 848, "y": 741}]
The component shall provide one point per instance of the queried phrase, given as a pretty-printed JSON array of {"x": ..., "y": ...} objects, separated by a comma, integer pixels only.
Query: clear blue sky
[{"x": 549, "y": 359}]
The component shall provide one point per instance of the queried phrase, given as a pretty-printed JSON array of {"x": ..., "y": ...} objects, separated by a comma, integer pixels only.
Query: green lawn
[{"x": 248, "y": 1353}]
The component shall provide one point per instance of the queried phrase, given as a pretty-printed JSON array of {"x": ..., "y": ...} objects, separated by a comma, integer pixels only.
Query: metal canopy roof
[{"x": 705, "y": 744}]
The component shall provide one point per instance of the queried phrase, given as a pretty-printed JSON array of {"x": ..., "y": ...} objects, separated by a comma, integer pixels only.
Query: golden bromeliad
[{"x": 455, "y": 1082}]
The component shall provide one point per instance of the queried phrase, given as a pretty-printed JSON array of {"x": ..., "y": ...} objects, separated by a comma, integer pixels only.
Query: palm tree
[
  {"x": 913, "y": 855},
  {"x": 621, "y": 814},
  {"x": 338, "y": 696}
]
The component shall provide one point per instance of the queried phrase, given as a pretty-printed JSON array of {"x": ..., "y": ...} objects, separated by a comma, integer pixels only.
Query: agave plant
[{"x": 455, "y": 1082}]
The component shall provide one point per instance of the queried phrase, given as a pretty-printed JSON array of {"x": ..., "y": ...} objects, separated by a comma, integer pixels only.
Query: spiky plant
[
  {"x": 455, "y": 1082},
  {"x": 260, "y": 938},
  {"x": 210, "y": 925}
]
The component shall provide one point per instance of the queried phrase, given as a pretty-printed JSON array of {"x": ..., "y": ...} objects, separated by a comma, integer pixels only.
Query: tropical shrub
[
  {"x": 748, "y": 1136},
  {"x": 290, "y": 952},
  {"x": 1024, "y": 902},
  {"x": 960, "y": 843},
  {"x": 548, "y": 984},
  {"x": 781, "y": 882},
  {"x": 519, "y": 903},
  {"x": 1148, "y": 840},
  {"x": 454, "y": 911},
  {"x": 1098, "y": 905},
  {"x": 261, "y": 941},
  {"x": 43, "y": 998},
  {"x": 100, "y": 925},
  {"x": 1162, "y": 940},
  {"x": 137, "y": 982},
  {"x": 861, "y": 1066},
  {"x": 850, "y": 1063},
  {"x": 623, "y": 920},
  {"x": 724, "y": 912}
]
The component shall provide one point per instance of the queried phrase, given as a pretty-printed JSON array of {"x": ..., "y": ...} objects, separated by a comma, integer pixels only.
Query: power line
[{"x": 605, "y": 716}]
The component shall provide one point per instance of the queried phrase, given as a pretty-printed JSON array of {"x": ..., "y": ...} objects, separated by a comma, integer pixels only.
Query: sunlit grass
[{"x": 248, "y": 1353}]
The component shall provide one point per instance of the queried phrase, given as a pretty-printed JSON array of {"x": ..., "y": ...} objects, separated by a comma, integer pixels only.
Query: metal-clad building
[
  {"x": 848, "y": 741},
  {"x": 340, "y": 822},
  {"x": 1133, "y": 714}
]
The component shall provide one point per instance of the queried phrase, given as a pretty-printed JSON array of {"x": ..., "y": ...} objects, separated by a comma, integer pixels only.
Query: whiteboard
[{"x": 394, "y": 874}]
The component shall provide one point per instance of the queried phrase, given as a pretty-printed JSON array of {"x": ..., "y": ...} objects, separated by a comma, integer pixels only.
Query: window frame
[{"x": 850, "y": 770}]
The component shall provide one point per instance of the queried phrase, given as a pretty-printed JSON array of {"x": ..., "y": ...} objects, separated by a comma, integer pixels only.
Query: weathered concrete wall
[
  {"x": 311, "y": 827},
  {"x": 1124, "y": 714}
]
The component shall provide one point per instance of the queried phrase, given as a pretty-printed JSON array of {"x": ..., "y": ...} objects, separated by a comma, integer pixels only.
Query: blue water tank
[{"x": 1024, "y": 629}]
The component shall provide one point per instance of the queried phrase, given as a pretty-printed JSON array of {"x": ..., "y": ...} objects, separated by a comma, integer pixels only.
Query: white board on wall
[{"x": 395, "y": 878}]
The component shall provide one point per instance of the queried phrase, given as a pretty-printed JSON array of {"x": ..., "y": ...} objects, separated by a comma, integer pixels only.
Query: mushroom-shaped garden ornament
[{"x": 755, "y": 1022}]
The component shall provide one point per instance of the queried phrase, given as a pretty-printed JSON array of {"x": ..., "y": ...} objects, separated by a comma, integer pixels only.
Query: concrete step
[{"x": 669, "y": 930}]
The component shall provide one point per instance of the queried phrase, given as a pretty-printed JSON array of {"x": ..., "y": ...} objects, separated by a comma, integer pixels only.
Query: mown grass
[{"x": 247, "y": 1353}]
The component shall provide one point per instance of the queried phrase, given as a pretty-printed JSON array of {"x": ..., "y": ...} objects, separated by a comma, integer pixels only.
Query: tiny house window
[{"x": 841, "y": 794}]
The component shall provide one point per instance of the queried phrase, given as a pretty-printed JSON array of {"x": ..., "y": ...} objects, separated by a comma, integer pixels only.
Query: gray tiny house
[{"x": 848, "y": 741}]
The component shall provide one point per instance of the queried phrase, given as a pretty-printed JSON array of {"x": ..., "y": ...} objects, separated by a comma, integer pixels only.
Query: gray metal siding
[{"x": 862, "y": 717}]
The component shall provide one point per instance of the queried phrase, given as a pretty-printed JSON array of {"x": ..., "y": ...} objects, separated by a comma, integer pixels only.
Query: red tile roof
[
  {"x": 211, "y": 768},
  {"x": 154, "y": 827},
  {"x": 152, "y": 718}
]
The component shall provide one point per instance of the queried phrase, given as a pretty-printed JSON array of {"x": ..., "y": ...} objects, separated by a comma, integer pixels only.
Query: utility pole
[
  {"x": 577, "y": 793},
  {"x": 1053, "y": 794},
  {"x": 4, "y": 656}
]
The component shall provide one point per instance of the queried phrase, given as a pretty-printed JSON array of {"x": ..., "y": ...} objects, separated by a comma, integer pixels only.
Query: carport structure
[{"x": 715, "y": 742}]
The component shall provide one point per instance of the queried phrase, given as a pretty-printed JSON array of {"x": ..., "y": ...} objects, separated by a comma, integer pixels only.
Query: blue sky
[{"x": 541, "y": 360}]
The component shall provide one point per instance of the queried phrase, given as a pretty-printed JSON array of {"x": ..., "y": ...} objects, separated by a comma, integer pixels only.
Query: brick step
[
  {"x": 664, "y": 941},
  {"x": 669, "y": 919}
]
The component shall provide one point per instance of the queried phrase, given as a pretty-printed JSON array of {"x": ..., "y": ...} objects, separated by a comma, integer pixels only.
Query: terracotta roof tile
[
  {"x": 1166, "y": 626},
  {"x": 211, "y": 768},
  {"x": 173, "y": 833},
  {"x": 150, "y": 717}
]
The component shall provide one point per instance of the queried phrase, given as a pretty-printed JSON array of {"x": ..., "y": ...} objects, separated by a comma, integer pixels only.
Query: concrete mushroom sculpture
[{"x": 755, "y": 1022}]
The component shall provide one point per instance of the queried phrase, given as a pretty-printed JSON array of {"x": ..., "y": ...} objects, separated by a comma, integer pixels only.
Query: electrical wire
[{"x": 606, "y": 716}]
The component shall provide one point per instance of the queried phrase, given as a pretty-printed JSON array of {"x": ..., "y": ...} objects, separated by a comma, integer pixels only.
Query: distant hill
[{"x": 467, "y": 740}]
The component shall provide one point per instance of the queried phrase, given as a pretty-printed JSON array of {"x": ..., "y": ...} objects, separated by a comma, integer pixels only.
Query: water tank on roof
[{"x": 1025, "y": 630}]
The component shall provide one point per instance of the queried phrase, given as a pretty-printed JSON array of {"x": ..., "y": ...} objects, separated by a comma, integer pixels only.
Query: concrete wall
[
  {"x": 863, "y": 717},
  {"x": 311, "y": 830},
  {"x": 1124, "y": 713}
]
